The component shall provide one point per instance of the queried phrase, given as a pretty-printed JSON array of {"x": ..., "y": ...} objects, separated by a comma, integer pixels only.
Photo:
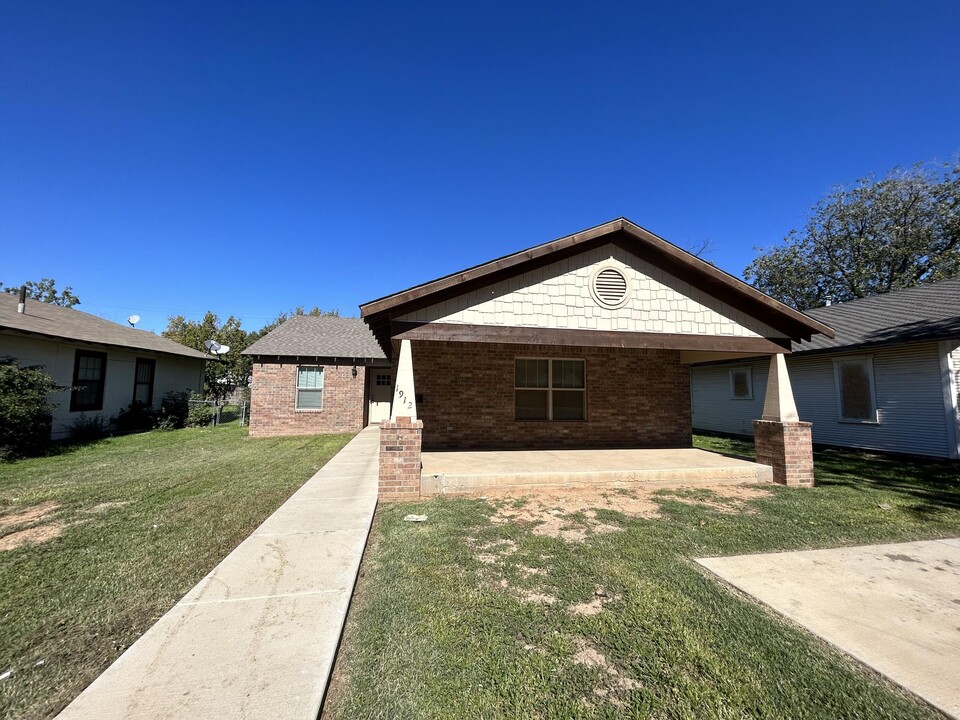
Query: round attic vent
[{"x": 609, "y": 288}]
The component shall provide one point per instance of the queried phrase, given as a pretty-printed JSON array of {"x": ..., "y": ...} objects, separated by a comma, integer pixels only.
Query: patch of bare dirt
[
  {"x": 590, "y": 657},
  {"x": 554, "y": 512},
  {"x": 34, "y": 513},
  {"x": 725, "y": 498},
  {"x": 595, "y": 606},
  {"x": 31, "y": 536}
]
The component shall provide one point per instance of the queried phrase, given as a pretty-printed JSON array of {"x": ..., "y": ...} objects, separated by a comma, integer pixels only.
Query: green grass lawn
[
  {"x": 501, "y": 608},
  {"x": 141, "y": 519}
]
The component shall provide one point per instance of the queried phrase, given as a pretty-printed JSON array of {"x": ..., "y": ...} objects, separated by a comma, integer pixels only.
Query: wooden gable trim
[{"x": 583, "y": 338}]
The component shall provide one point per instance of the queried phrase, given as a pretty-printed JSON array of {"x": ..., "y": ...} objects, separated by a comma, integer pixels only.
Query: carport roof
[{"x": 634, "y": 239}]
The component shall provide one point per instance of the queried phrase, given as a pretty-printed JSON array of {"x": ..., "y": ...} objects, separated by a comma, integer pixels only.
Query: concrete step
[{"x": 454, "y": 483}]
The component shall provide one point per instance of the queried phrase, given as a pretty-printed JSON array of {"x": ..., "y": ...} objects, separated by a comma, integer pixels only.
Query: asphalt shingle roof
[
  {"x": 312, "y": 336},
  {"x": 43, "y": 318},
  {"x": 926, "y": 312}
]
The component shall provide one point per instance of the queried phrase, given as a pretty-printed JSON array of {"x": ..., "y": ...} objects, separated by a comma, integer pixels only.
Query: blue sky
[{"x": 169, "y": 158}]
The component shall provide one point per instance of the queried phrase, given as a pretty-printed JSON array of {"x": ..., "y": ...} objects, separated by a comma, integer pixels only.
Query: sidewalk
[
  {"x": 894, "y": 607},
  {"x": 256, "y": 638}
]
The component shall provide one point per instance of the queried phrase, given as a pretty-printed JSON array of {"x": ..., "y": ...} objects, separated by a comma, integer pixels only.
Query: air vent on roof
[{"x": 609, "y": 288}]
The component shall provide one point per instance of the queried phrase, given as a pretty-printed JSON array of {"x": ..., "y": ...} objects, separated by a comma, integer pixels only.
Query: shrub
[
  {"x": 87, "y": 428},
  {"x": 26, "y": 412},
  {"x": 137, "y": 417},
  {"x": 173, "y": 411},
  {"x": 200, "y": 415}
]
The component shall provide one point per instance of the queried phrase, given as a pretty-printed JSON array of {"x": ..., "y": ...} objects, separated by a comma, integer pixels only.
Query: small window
[
  {"x": 143, "y": 381},
  {"x": 855, "y": 390},
  {"x": 89, "y": 376},
  {"x": 741, "y": 383},
  {"x": 383, "y": 380},
  {"x": 309, "y": 388},
  {"x": 550, "y": 389}
]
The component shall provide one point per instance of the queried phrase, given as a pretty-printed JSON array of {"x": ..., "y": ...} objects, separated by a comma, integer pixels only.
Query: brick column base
[
  {"x": 400, "y": 442},
  {"x": 787, "y": 447}
]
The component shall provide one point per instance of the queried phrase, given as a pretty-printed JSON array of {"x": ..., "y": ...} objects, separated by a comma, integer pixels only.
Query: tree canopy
[
  {"x": 46, "y": 291},
  {"x": 231, "y": 369},
  {"x": 873, "y": 237}
]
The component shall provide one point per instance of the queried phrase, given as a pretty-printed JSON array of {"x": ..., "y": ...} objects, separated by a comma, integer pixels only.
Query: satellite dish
[
  {"x": 216, "y": 348},
  {"x": 133, "y": 320}
]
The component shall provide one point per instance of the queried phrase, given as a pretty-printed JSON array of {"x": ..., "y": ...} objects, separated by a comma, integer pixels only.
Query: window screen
[
  {"x": 309, "y": 388},
  {"x": 89, "y": 375}
]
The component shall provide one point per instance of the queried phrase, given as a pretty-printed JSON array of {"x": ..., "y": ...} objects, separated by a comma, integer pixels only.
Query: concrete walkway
[
  {"x": 893, "y": 607},
  {"x": 256, "y": 638}
]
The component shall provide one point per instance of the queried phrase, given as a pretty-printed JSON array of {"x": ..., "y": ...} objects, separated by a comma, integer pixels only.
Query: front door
[{"x": 381, "y": 394}]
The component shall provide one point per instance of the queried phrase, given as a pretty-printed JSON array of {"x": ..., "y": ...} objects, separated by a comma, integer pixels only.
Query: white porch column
[
  {"x": 778, "y": 403},
  {"x": 404, "y": 393}
]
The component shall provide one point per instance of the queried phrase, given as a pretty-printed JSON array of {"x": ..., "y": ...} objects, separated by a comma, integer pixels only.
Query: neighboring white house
[
  {"x": 107, "y": 365},
  {"x": 889, "y": 380}
]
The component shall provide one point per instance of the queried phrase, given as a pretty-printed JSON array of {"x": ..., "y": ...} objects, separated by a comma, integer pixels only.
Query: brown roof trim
[
  {"x": 628, "y": 235},
  {"x": 452, "y": 332}
]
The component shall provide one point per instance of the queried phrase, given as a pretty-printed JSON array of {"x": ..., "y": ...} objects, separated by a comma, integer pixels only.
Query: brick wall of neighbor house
[
  {"x": 465, "y": 398},
  {"x": 273, "y": 401}
]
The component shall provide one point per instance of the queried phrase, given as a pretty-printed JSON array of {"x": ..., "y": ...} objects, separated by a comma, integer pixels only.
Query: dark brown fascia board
[
  {"x": 274, "y": 359},
  {"x": 457, "y": 279},
  {"x": 585, "y": 338},
  {"x": 652, "y": 248},
  {"x": 719, "y": 278}
]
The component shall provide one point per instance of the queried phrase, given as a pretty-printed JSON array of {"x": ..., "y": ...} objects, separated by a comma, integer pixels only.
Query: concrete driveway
[{"x": 893, "y": 607}]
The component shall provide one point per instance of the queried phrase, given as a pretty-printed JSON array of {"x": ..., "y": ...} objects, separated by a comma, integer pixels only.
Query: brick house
[
  {"x": 318, "y": 375},
  {"x": 582, "y": 342}
]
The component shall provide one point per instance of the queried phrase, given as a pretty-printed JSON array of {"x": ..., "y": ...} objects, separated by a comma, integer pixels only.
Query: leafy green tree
[
  {"x": 230, "y": 369},
  {"x": 26, "y": 410},
  {"x": 46, "y": 291},
  {"x": 876, "y": 236}
]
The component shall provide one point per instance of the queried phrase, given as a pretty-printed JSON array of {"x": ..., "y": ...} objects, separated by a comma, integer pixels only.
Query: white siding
[
  {"x": 172, "y": 374},
  {"x": 558, "y": 296},
  {"x": 908, "y": 387}
]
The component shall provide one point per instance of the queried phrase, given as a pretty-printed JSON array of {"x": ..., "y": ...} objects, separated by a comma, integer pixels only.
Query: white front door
[{"x": 381, "y": 394}]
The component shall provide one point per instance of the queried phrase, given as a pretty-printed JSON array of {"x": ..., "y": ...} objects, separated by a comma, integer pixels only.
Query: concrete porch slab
[{"x": 465, "y": 472}]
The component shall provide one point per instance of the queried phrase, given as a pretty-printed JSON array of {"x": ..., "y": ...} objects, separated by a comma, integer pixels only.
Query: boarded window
[
  {"x": 309, "y": 388},
  {"x": 89, "y": 377},
  {"x": 855, "y": 389},
  {"x": 741, "y": 383},
  {"x": 547, "y": 389}
]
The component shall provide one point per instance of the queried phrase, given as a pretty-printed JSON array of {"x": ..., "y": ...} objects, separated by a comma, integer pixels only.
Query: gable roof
[
  {"x": 926, "y": 312},
  {"x": 628, "y": 235},
  {"x": 53, "y": 321},
  {"x": 313, "y": 336}
]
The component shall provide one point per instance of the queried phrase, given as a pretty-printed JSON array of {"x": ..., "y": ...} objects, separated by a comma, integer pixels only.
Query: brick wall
[
  {"x": 273, "y": 401},
  {"x": 465, "y": 398},
  {"x": 787, "y": 447},
  {"x": 400, "y": 443}
]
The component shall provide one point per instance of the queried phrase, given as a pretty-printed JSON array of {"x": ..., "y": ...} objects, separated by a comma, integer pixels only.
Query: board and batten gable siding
[
  {"x": 558, "y": 296},
  {"x": 907, "y": 384},
  {"x": 173, "y": 374}
]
